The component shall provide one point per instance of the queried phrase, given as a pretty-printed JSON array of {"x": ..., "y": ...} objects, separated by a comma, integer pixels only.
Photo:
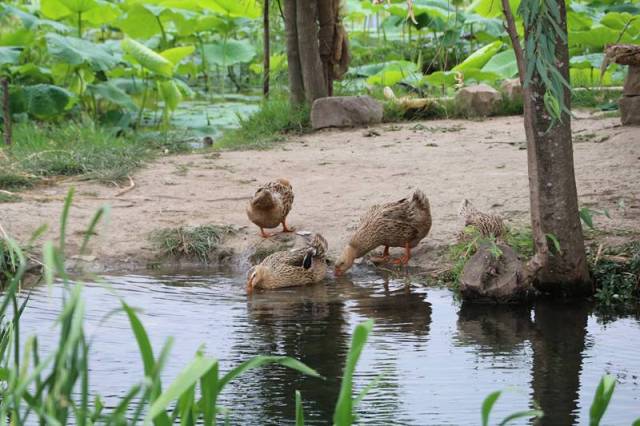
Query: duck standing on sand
[
  {"x": 402, "y": 223},
  {"x": 291, "y": 268},
  {"x": 487, "y": 224},
  {"x": 270, "y": 206}
]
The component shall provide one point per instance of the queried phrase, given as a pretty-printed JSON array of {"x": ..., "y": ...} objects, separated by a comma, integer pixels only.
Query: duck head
[{"x": 345, "y": 261}]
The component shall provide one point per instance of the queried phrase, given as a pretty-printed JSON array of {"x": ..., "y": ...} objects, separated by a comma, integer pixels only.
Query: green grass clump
[
  {"x": 199, "y": 242},
  {"x": 520, "y": 240},
  {"x": 9, "y": 197},
  {"x": 261, "y": 130},
  {"x": 605, "y": 100},
  {"x": 43, "y": 150},
  {"x": 616, "y": 272}
]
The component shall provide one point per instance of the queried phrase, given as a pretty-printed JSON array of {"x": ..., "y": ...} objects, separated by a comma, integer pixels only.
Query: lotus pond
[{"x": 438, "y": 359}]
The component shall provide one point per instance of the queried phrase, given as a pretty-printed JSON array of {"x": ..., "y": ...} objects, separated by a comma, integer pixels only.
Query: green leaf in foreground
[
  {"x": 147, "y": 58},
  {"x": 343, "y": 414},
  {"x": 601, "y": 399},
  {"x": 189, "y": 376},
  {"x": 299, "y": 410},
  {"x": 261, "y": 360},
  {"x": 487, "y": 406}
]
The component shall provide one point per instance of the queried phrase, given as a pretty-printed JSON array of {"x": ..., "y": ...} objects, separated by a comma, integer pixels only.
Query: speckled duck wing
[
  {"x": 284, "y": 193},
  {"x": 286, "y": 266}
]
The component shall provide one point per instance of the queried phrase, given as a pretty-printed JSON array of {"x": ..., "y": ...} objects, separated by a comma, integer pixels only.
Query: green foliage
[
  {"x": 542, "y": 24},
  {"x": 490, "y": 401},
  {"x": 229, "y": 52},
  {"x": 275, "y": 118},
  {"x": 616, "y": 273},
  {"x": 41, "y": 151},
  {"x": 344, "y": 413},
  {"x": 601, "y": 399},
  {"x": 200, "y": 242}
]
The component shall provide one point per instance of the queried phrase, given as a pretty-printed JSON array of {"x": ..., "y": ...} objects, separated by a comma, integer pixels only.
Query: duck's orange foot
[
  {"x": 264, "y": 234},
  {"x": 404, "y": 260}
]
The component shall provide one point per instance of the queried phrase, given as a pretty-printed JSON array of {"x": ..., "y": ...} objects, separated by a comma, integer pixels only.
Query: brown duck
[
  {"x": 270, "y": 206},
  {"x": 402, "y": 223},
  {"x": 297, "y": 267},
  {"x": 487, "y": 224}
]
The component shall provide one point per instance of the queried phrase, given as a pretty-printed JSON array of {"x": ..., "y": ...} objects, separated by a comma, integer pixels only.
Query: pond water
[
  {"x": 438, "y": 359},
  {"x": 214, "y": 116}
]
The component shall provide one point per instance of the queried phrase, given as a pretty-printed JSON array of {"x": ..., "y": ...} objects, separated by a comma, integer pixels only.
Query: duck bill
[
  {"x": 250, "y": 284},
  {"x": 338, "y": 272}
]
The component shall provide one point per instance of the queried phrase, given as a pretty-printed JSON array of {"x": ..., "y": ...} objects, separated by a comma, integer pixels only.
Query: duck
[
  {"x": 403, "y": 223},
  {"x": 488, "y": 225},
  {"x": 270, "y": 206},
  {"x": 298, "y": 267}
]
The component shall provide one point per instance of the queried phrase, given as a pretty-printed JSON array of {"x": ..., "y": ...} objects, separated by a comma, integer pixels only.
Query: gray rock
[
  {"x": 486, "y": 278},
  {"x": 629, "y": 110},
  {"x": 478, "y": 101},
  {"x": 512, "y": 89},
  {"x": 632, "y": 81},
  {"x": 345, "y": 111}
]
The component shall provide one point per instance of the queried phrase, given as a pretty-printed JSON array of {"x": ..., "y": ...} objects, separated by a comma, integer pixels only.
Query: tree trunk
[
  {"x": 308, "y": 47},
  {"x": 6, "y": 112},
  {"x": 296, "y": 87},
  {"x": 552, "y": 186},
  {"x": 266, "y": 53},
  {"x": 326, "y": 34}
]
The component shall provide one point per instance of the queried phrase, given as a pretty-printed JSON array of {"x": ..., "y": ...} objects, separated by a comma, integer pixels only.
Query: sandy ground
[{"x": 336, "y": 175}]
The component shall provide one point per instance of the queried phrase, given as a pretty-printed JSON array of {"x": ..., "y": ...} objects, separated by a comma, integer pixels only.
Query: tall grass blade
[
  {"x": 144, "y": 344},
  {"x": 209, "y": 391},
  {"x": 601, "y": 399},
  {"x": 117, "y": 417},
  {"x": 185, "y": 380},
  {"x": 102, "y": 212},
  {"x": 372, "y": 384},
  {"x": 299, "y": 410},
  {"x": 487, "y": 406},
  {"x": 260, "y": 360},
  {"x": 64, "y": 219},
  {"x": 343, "y": 415},
  {"x": 528, "y": 414}
]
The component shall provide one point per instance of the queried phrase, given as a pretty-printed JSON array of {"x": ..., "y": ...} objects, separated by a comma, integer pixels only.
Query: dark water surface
[{"x": 439, "y": 359}]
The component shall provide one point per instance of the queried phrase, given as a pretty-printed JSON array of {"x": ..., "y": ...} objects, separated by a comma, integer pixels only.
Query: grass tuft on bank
[
  {"x": 275, "y": 119},
  {"x": 198, "y": 242}
]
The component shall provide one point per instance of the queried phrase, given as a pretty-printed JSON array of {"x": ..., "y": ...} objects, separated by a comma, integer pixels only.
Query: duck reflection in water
[
  {"x": 556, "y": 334},
  {"x": 313, "y": 324}
]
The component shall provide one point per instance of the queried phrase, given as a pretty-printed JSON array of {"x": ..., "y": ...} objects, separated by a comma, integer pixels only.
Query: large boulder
[
  {"x": 629, "y": 110},
  {"x": 632, "y": 81},
  {"x": 345, "y": 111},
  {"x": 512, "y": 89},
  {"x": 478, "y": 101},
  {"x": 490, "y": 278}
]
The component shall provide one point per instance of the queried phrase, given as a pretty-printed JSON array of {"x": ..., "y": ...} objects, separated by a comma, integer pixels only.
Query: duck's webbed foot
[
  {"x": 285, "y": 228},
  {"x": 264, "y": 234},
  {"x": 404, "y": 260}
]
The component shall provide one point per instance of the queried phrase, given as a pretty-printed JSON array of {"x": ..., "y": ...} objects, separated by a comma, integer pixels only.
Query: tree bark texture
[
  {"x": 326, "y": 33},
  {"x": 266, "y": 50},
  {"x": 6, "y": 112},
  {"x": 552, "y": 186},
  {"x": 307, "y": 27},
  {"x": 296, "y": 87}
]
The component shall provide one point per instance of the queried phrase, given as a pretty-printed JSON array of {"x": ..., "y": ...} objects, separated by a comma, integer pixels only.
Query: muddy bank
[{"x": 336, "y": 175}]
